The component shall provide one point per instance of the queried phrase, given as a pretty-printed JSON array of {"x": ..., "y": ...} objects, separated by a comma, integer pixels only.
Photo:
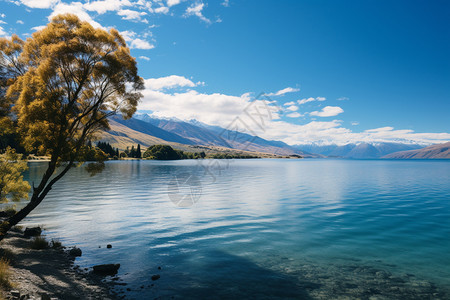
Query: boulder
[
  {"x": 75, "y": 252},
  {"x": 33, "y": 231},
  {"x": 107, "y": 269}
]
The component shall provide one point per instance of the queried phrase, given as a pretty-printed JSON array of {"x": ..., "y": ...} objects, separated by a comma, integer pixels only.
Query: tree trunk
[{"x": 38, "y": 195}]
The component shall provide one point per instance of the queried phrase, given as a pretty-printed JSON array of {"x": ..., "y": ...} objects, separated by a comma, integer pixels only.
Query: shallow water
[{"x": 258, "y": 228}]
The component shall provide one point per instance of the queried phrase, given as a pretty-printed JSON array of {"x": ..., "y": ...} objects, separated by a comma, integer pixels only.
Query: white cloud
[
  {"x": 103, "y": 6},
  {"x": 128, "y": 14},
  {"x": 196, "y": 10},
  {"x": 20, "y": 22},
  {"x": 381, "y": 129},
  {"x": 171, "y": 3},
  {"x": 168, "y": 82},
  {"x": 310, "y": 99},
  {"x": 294, "y": 115},
  {"x": 289, "y": 103},
  {"x": 39, "y": 3},
  {"x": 226, "y": 3},
  {"x": 222, "y": 110},
  {"x": 2, "y": 32},
  {"x": 144, "y": 57},
  {"x": 283, "y": 91},
  {"x": 292, "y": 108},
  {"x": 354, "y": 123},
  {"x": 77, "y": 9},
  {"x": 141, "y": 44},
  {"x": 328, "y": 111},
  {"x": 215, "y": 109},
  {"x": 2, "y": 15},
  {"x": 134, "y": 42},
  {"x": 162, "y": 10},
  {"x": 128, "y": 35},
  {"x": 37, "y": 28},
  {"x": 342, "y": 98},
  {"x": 3, "y": 22}
]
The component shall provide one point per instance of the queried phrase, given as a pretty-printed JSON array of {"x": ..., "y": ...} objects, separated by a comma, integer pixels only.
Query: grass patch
[
  {"x": 5, "y": 274},
  {"x": 39, "y": 243},
  {"x": 55, "y": 244}
]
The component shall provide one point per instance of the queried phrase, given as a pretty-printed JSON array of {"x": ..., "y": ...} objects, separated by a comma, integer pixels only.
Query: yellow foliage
[
  {"x": 12, "y": 185},
  {"x": 74, "y": 77}
]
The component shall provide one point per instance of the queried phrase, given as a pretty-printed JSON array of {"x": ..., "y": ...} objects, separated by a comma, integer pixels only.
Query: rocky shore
[
  {"x": 51, "y": 274},
  {"x": 48, "y": 273}
]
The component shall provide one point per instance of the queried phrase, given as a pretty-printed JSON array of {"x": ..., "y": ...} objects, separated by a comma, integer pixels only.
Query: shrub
[{"x": 39, "y": 243}]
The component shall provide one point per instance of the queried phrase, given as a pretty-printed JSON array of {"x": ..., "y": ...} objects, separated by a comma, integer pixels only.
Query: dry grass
[
  {"x": 39, "y": 243},
  {"x": 5, "y": 274}
]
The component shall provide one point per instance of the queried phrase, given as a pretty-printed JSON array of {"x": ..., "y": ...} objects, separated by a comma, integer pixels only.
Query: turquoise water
[{"x": 258, "y": 228}]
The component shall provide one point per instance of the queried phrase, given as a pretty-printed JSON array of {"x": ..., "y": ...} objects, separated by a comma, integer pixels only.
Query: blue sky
[{"x": 332, "y": 71}]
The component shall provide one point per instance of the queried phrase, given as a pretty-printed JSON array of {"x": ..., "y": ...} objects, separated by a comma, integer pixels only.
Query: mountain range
[
  {"x": 145, "y": 130},
  {"x": 195, "y": 136},
  {"x": 358, "y": 151},
  {"x": 438, "y": 151}
]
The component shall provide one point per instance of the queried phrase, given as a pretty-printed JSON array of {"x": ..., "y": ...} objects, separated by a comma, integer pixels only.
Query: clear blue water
[{"x": 254, "y": 228}]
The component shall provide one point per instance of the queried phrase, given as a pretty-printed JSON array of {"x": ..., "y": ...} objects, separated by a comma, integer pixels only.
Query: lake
[{"x": 265, "y": 228}]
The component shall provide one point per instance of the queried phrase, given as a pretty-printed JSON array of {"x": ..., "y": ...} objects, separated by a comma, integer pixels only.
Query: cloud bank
[{"x": 174, "y": 96}]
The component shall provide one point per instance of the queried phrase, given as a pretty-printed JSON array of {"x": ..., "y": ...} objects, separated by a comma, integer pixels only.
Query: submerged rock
[
  {"x": 156, "y": 277},
  {"x": 33, "y": 231},
  {"x": 107, "y": 269}
]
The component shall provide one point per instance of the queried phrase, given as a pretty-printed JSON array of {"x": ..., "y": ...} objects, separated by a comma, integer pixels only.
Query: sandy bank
[{"x": 50, "y": 272}]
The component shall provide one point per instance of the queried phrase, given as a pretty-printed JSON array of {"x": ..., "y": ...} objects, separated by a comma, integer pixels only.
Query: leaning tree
[{"x": 60, "y": 86}]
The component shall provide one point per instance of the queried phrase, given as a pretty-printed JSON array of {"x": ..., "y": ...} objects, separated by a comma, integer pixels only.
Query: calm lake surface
[{"x": 256, "y": 228}]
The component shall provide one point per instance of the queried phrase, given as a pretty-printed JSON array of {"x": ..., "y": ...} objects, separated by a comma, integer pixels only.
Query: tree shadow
[{"x": 220, "y": 275}]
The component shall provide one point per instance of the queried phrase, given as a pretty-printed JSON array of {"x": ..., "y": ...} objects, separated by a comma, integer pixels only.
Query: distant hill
[
  {"x": 439, "y": 151},
  {"x": 155, "y": 131},
  {"x": 195, "y": 134},
  {"x": 358, "y": 151},
  {"x": 120, "y": 136},
  {"x": 202, "y": 134}
]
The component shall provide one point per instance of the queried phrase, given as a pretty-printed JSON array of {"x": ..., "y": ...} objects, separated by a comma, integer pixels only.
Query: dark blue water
[{"x": 256, "y": 228}]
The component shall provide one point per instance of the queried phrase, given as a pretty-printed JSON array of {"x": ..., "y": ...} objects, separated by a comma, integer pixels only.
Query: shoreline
[
  {"x": 49, "y": 272},
  {"x": 52, "y": 274}
]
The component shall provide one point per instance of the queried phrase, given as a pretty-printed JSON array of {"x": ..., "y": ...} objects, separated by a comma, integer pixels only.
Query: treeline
[
  {"x": 231, "y": 156},
  {"x": 114, "y": 153},
  {"x": 133, "y": 152},
  {"x": 108, "y": 149},
  {"x": 166, "y": 152},
  {"x": 104, "y": 151}
]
